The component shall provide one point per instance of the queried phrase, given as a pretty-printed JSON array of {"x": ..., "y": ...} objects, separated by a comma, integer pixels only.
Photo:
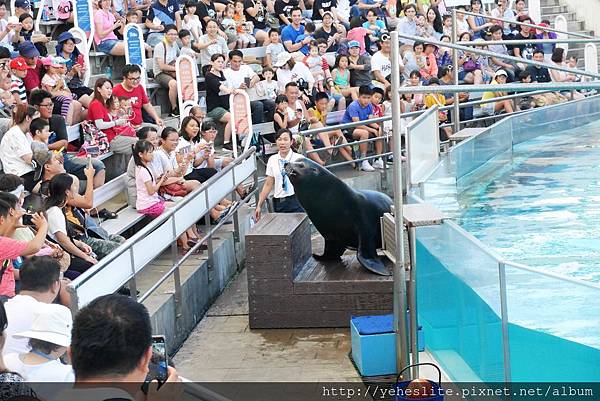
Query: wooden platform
[{"x": 289, "y": 289}]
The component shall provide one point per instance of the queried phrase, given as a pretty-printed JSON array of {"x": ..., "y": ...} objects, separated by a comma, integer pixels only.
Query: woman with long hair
[
  {"x": 105, "y": 23},
  {"x": 434, "y": 19},
  {"x": 479, "y": 23},
  {"x": 558, "y": 59},
  {"x": 217, "y": 96},
  {"x": 15, "y": 147},
  {"x": 121, "y": 140},
  {"x": 60, "y": 191}
]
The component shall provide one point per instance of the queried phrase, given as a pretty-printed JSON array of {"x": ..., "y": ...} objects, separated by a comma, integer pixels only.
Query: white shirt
[
  {"x": 275, "y": 170},
  {"x": 51, "y": 371},
  {"x": 381, "y": 62},
  {"x": 236, "y": 78},
  {"x": 164, "y": 162},
  {"x": 56, "y": 222},
  {"x": 292, "y": 115},
  {"x": 299, "y": 71},
  {"x": 19, "y": 313},
  {"x": 165, "y": 54},
  {"x": 15, "y": 144}
]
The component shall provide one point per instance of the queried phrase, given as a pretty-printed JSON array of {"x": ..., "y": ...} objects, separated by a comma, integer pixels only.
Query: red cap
[{"x": 19, "y": 63}]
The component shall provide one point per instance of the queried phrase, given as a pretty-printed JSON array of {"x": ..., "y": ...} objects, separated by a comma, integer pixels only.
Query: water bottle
[
  {"x": 202, "y": 104},
  {"x": 46, "y": 12},
  {"x": 108, "y": 71}
]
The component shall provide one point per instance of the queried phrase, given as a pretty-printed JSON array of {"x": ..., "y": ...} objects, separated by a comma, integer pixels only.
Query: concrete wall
[{"x": 587, "y": 11}]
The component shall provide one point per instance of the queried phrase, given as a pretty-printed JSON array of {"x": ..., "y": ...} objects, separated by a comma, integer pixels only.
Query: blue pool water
[{"x": 543, "y": 209}]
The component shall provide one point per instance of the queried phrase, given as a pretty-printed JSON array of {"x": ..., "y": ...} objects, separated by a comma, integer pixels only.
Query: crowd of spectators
[{"x": 320, "y": 57}]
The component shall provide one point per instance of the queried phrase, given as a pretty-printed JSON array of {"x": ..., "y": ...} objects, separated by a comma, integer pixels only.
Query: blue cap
[
  {"x": 63, "y": 37},
  {"x": 28, "y": 49},
  {"x": 353, "y": 43},
  {"x": 22, "y": 4}
]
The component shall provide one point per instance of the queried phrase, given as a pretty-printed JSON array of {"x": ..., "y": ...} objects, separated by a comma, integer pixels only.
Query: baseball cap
[
  {"x": 500, "y": 72},
  {"x": 282, "y": 58},
  {"x": 28, "y": 49},
  {"x": 51, "y": 323},
  {"x": 41, "y": 157},
  {"x": 22, "y": 4},
  {"x": 353, "y": 43},
  {"x": 19, "y": 64}
]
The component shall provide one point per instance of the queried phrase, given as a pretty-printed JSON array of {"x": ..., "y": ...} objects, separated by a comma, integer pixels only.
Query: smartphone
[
  {"x": 157, "y": 368},
  {"x": 247, "y": 82},
  {"x": 80, "y": 60},
  {"x": 89, "y": 161}
]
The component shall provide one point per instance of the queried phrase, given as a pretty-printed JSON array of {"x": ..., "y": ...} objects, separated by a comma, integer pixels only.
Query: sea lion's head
[{"x": 305, "y": 170}]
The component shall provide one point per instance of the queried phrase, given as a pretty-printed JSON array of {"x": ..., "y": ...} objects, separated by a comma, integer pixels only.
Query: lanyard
[{"x": 39, "y": 353}]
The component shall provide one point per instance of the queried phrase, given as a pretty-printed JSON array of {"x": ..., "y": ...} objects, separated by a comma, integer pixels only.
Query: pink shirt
[
  {"x": 106, "y": 20},
  {"x": 9, "y": 249},
  {"x": 358, "y": 34},
  {"x": 144, "y": 199}
]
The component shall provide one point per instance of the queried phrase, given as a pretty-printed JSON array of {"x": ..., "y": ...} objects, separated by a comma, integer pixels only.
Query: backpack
[
  {"x": 94, "y": 141},
  {"x": 65, "y": 7}
]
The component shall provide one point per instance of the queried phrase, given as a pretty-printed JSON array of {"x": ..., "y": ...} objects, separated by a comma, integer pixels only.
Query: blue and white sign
[
  {"x": 135, "y": 48},
  {"x": 83, "y": 17}
]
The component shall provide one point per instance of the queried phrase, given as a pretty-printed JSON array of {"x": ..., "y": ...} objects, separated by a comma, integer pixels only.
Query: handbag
[
  {"x": 174, "y": 189},
  {"x": 470, "y": 65},
  {"x": 172, "y": 74},
  {"x": 94, "y": 142}
]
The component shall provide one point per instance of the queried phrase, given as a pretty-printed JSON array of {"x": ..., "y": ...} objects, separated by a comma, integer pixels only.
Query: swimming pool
[{"x": 508, "y": 286}]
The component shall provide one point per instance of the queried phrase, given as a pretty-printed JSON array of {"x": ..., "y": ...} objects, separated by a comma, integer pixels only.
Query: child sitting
[
  {"x": 280, "y": 118},
  {"x": 27, "y": 34},
  {"x": 7, "y": 101},
  {"x": 230, "y": 25},
  {"x": 244, "y": 28},
  {"x": 191, "y": 21},
  {"x": 148, "y": 202},
  {"x": 40, "y": 132},
  {"x": 54, "y": 83},
  {"x": 309, "y": 30},
  {"x": 268, "y": 87},
  {"x": 18, "y": 70},
  {"x": 314, "y": 62},
  {"x": 186, "y": 47},
  {"x": 273, "y": 48}
]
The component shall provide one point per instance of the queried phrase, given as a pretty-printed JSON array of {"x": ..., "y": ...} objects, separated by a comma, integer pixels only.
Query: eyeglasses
[
  {"x": 134, "y": 79},
  {"x": 47, "y": 104}
]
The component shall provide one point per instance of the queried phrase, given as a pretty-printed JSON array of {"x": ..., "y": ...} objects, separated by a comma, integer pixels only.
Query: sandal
[{"x": 106, "y": 214}]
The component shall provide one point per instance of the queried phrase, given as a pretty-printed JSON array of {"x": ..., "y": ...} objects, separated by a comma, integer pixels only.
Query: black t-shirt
[
  {"x": 259, "y": 19},
  {"x": 526, "y": 49},
  {"x": 539, "y": 74},
  {"x": 213, "y": 99},
  {"x": 324, "y": 5},
  {"x": 206, "y": 10},
  {"x": 58, "y": 129},
  {"x": 281, "y": 7},
  {"x": 322, "y": 34}
]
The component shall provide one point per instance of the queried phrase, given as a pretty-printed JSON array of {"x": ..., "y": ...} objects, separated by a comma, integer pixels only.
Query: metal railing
[{"x": 122, "y": 265}]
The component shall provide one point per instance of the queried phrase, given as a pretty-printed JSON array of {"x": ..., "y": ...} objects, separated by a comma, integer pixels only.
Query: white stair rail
[
  {"x": 84, "y": 49},
  {"x": 561, "y": 24},
  {"x": 591, "y": 57}
]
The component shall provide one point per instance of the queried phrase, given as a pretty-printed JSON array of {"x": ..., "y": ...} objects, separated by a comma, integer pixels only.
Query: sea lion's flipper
[
  {"x": 333, "y": 250},
  {"x": 367, "y": 250}
]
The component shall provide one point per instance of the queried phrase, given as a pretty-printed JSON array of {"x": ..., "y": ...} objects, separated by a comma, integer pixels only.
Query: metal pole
[
  {"x": 402, "y": 357},
  {"x": 455, "y": 71},
  {"x": 504, "y": 312},
  {"x": 412, "y": 299},
  {"x": 512, "y": 87},
  {"x": 532, "y": 41},
  {"x": 579, "y": 35},
  {"x": 502, "y": 56}
]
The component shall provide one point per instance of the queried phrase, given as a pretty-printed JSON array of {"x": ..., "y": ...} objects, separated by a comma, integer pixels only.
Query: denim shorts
[
  {"x": 76, "y": 165},
  {"x": 107, "y": 45}
]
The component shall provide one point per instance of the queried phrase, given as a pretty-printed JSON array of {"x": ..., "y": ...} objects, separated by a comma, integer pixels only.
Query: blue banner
[
  {"x": 82, "y": 8},
  {"x": 134, "y": 45}
]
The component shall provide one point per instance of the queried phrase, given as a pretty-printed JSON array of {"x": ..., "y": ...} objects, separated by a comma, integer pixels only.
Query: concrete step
[
  {"x": 554, "y": 10},
  {"x": 548, "y": 3},
  {"x": 570, "y": 16}
]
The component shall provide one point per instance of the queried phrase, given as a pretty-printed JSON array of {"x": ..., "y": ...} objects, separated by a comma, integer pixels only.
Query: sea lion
[{"x": 346, "y": 218}]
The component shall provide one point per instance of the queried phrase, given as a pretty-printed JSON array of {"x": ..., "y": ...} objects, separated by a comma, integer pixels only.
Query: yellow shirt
[
  {"x": 489, "y": 95},
  {"x": 318, "y": 115},
  {"x": 435, "y": 99}
]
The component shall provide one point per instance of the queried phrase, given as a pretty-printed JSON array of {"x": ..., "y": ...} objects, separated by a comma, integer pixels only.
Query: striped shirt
[{"x": 18, "y": 86}]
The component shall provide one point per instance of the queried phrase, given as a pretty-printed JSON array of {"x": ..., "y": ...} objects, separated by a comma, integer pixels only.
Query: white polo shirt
[{"x": 275, "y": 170}]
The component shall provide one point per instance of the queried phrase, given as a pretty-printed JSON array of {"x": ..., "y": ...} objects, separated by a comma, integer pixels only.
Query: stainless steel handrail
[
  {"x": 140, "y": 235},
  {"x": 580, "y": 35}
]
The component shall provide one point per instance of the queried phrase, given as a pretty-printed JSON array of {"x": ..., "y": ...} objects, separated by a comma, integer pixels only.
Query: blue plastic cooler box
[{"x": 373, "y": 344}]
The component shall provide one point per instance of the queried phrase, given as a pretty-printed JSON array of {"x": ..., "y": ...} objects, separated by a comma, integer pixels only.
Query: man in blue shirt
[
  {"x": 362, "y": 110},
  {"x": 162, "y": 12},
  {"x": 290, "y": 33}
]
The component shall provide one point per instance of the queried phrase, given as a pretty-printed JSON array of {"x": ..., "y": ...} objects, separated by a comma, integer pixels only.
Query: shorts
[
  {"x": 154, "y": 210},
  {"x": 231, "y": 37},
  {"x": 256, "y": 30},
  {"x": 107, "y": 45},
  {"x": 348, "y": 134},
  {"x": 489, "y": 108},
  {"x": 155, "y": 38},
  {"x": 217, "y": 113},
  {"x": 163, "y": 79},
  {"x": 76, "y": 165}
]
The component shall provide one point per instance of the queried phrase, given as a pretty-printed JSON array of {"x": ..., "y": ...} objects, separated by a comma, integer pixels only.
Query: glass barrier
[
  {"x": 459, "y": 303},
  {"x": 554, "y": 327}
]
